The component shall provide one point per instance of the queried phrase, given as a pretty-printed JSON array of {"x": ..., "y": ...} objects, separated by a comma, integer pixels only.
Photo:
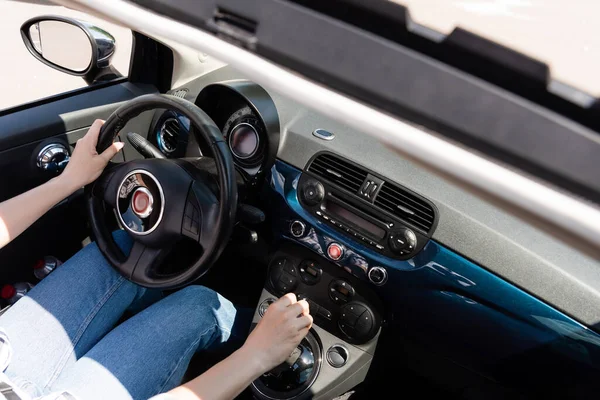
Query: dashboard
[
  {"x": 521, "y": 253},
  {"x": 361, "y": 232}
]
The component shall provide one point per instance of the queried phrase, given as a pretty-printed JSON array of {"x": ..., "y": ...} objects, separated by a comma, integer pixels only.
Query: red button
[
  {"x": 335, "y": 251},
  {"x": 141, "y": 201},
  {"x": 8, "y": 291}
]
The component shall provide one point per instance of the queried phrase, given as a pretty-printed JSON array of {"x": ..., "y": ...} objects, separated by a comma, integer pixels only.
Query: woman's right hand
[{"x": 285, "y": 323}]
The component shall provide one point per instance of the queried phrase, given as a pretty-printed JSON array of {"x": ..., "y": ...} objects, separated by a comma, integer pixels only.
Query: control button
[
  {"x": 373, "y": 190},
  {"x": 349, "y": 318},
  {"x": 262, "y": 308},
  {"x": 347, "y": 329},
  {"x": 313, "y": 192},
  {"x": 310, "y": 272},
  {"x": 403, "y": 241},
  {"x": 325, "y": 313},
  {"x": 364, "y": 325},
  {"x": 337, "y": 356},
  {"x": 282, "y": 275},
  {"x": 289, "y": 268},
  {"x": 360, "y": 327},
  {"x": 340, "y": 291},
  {"x": 297, "y": 228},
  {"x": 313, "y": 307},
  {"x": 287, "y": 278},
  {"x": 187, "y": 223},
  {"x": 377, "y": 275},
  {"x": 325, "y": 217},
  {"x": 335, "y": 251},
  {"x": 319, "y": 213},
  {"x": 380, "y": 247},
  {"x": 356, "y": 309}
]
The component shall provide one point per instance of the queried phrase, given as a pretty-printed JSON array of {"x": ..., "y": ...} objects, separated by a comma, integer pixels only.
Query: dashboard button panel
[{"x": 335, "y": 293}]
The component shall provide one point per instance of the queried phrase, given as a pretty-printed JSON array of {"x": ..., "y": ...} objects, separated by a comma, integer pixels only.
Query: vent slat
[
  {"x": 325, "y": 174},
  {"x": 392, "y": 206},
  {"x": 346, "y": 175},
  {"x": 406, "y": 201},
  {"x": 406, "y": 206},
  {"x": 343, "y": 169},
  {"x": 170, "y": 134}
]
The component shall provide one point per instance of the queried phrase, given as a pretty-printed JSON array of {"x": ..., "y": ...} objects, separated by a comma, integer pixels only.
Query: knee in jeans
[
  {"x": 203, "y": 299},
  {"x": 197, "y": 295}
]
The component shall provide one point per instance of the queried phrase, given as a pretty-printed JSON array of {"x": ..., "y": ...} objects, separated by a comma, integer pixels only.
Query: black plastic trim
[
  {"x": 151, "y": 63},
  {"x": 259, "y": 100}
]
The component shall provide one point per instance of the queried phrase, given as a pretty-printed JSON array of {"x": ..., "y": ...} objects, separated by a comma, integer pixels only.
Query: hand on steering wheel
[{"x": 159, "y": 201}]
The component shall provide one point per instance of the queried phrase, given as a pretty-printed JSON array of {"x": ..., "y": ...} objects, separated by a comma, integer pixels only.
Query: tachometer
[{"x": 245, "y": 135}]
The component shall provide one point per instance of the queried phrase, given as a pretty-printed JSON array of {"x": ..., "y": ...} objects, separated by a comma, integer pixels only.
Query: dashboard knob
[
  {"x": 403, "y": 241},
  {"x": 313, "y": 192},
  {"x": 297, "y": 228},
  {"x": 283, "y": 275},
  {"x": 377, "y": 275},
  {"x": 53, "y": 157},
  {"x": 357, "y": 321}
]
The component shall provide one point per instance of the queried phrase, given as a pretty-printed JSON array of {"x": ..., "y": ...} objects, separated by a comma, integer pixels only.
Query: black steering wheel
[{"x": 159, "y": 201}]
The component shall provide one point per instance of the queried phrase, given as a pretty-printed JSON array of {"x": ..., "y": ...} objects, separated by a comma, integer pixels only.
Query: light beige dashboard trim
[{"x": 575, "y": 222}]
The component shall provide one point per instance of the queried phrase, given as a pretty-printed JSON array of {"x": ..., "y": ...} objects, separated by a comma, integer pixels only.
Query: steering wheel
[{"x": 159, "y": 201}]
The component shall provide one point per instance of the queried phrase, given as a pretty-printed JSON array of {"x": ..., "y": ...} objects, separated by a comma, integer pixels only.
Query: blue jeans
[{"x": 63, "y": 333}]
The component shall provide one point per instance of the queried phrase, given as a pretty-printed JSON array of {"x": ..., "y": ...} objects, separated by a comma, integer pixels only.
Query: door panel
[{"x": 22, "y": 134}]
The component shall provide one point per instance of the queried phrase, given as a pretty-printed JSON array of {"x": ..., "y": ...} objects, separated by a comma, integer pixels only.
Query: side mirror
[{"x": 71, "y": 46}]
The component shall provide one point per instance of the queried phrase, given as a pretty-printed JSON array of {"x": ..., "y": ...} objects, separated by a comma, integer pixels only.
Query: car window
[{"x": 23, "y": 78}]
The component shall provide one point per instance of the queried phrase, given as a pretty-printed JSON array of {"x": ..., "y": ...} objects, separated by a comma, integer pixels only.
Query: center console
[{"x": 336, "y": 354}]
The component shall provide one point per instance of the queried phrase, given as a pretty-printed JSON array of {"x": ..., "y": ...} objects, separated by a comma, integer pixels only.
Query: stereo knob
[
  {"x": 403, "y": 241},
  {"x": 377, "y": 275},
  {"x": 297, "y": 229},
  {"x": 313, "y": 192}
]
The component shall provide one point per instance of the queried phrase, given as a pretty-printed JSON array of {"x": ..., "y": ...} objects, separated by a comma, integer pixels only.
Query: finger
[
  {"x": 303, "y": 332},
  {"x": 112, "y": 150},
  {"x": 94, "y": 131},
  {"x": 305, "y": 307},
  {"x": 287, "y": 300},
  {"x": 294, "y": 310},
  {"x": 303, "y": 322}
]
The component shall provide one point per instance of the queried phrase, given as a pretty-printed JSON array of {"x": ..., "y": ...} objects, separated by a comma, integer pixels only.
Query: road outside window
[{"x": 22, "y": 77}]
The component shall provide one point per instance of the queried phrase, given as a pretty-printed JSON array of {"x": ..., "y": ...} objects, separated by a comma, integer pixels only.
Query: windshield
[{"x": 563, "y": 34}]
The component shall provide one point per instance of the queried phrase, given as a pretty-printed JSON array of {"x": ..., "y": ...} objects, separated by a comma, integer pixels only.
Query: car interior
[{"x": 415, "y": 285}]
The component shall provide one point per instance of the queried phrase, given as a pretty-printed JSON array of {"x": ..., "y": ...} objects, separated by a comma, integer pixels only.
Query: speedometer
[
  {"x": 244, "y": 140},
  {"x": 245, "y": 135}
]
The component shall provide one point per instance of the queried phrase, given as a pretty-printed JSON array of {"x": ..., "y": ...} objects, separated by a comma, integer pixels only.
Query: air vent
[
  {"x": 338, "y": 171},
  {"x": 168, "y": 136},
  {"x": 406, "y": 206},
  {"x": 179, "y": 93}
]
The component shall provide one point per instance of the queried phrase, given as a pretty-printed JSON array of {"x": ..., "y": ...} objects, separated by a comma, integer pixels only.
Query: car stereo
[{"x": 365, "y": 207}]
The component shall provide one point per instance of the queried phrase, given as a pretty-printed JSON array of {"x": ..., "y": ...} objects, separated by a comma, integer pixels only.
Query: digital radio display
[{"x": 349, "y": 216}]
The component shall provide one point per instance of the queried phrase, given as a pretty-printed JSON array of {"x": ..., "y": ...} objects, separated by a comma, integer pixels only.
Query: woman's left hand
[{"x": 86, "y": 165}]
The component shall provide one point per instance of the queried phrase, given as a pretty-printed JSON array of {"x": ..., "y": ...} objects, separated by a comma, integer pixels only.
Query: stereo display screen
[{"x": 347, "y": 215}]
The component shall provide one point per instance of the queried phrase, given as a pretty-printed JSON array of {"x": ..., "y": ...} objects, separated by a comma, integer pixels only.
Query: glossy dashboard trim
[{"x": 460, "y": 309}]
